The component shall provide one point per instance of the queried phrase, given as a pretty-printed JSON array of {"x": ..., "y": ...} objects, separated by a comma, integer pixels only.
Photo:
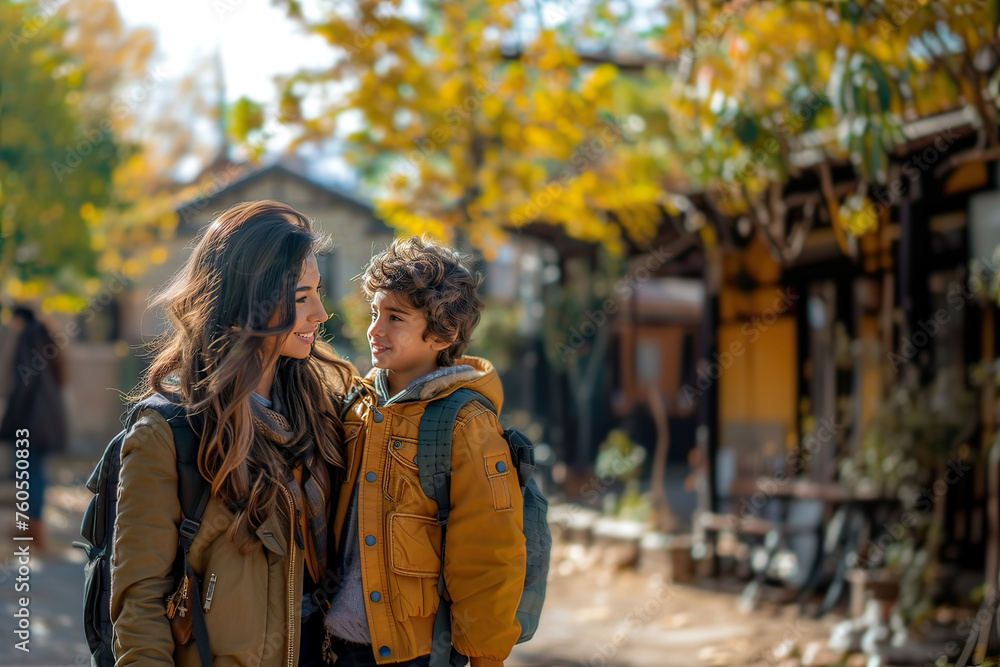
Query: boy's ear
[{"x": 439, "y": 345}]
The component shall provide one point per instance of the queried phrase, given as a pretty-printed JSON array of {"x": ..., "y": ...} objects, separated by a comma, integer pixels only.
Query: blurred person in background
[{"x": 36, "y": 377}]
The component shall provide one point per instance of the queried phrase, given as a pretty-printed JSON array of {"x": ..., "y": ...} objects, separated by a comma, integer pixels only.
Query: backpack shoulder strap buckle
[{"x": 188, "y": 529}]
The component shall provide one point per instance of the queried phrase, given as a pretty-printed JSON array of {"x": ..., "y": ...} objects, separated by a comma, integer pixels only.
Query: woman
[
  {"x": 246, "y": 359},
  {"x": 36, "y": 404}
]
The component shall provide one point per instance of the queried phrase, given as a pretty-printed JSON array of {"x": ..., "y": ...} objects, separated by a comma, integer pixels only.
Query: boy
[{"x": 424, "y": 309}]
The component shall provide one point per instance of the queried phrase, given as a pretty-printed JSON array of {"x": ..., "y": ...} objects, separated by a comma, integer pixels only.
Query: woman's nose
[{"x": 320, "y": 315}]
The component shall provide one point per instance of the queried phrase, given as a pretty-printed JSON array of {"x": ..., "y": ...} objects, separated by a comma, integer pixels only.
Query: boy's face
[{"x": 396, "y": 337}]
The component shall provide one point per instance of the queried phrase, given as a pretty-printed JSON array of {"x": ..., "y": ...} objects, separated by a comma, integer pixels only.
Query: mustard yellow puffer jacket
[
  {"x": 485, "y": 553},
  {"x": 254, "y": 616}
]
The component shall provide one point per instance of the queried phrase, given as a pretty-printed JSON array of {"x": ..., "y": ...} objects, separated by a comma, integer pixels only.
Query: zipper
[
  {"x": 368, "y": 393},
  {"x": 210, "y": 593},
  {"x": 291, "y": 581}
]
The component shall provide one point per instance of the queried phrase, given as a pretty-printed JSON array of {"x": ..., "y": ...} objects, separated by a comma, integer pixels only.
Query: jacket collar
[
  {"x": 471, "y": 372},
  {"x": 423, "y": 387}
]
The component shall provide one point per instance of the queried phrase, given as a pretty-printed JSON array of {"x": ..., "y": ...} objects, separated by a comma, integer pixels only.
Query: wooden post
[
  {"x": 992, "y": 482},
  {"x": 885, "y": 324},
  {"x": 989, "y": 387},
  {"x": 666, "y": 522},
  {"x": 708, "y": 403}
]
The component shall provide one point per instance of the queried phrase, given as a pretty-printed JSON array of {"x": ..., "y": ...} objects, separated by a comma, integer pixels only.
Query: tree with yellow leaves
[
  {"x": 44, "y": 183},
  {"x": 465, "y": 118},
  {"x": 459, "y": 123},
  {"x": 86, "y": 162},
  {"x": 758, "y": 81}
]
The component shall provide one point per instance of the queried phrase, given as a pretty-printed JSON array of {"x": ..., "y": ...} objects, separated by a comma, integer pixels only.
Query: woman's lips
[{"x": 306, "y": 338}]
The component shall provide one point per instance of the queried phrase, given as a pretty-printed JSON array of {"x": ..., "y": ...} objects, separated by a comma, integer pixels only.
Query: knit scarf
[{"x": 309, "y": 495}]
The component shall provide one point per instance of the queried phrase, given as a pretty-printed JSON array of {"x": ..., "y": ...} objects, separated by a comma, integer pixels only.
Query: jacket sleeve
[
  {"x": 485, "y": 554},
  {"x": 145, "y": 544},
  {"x": 23, "y": 392}
]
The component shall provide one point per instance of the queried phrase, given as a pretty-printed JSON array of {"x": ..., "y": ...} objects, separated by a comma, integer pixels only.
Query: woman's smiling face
[{"x": 309, "y": 312}]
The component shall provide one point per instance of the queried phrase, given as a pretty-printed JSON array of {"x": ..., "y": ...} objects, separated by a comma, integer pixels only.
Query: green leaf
[{"x": 746, "y": 129}]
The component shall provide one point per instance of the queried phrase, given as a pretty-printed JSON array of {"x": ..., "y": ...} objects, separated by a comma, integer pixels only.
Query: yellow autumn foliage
[{"x": 744, "y": 82}]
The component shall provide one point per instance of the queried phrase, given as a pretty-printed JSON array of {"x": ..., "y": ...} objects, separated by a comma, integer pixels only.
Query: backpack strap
[
  {"x": 437, "y": 426},
  {"x": 194, "y": 493},
  {"x": 192, "y": 489}
]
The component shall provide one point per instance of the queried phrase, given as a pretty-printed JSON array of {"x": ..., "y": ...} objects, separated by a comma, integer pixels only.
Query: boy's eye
[{"x": 394, "y": 317}]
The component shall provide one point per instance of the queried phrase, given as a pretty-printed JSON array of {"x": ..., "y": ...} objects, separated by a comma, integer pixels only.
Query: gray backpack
[{"x": 434, "y": 462}]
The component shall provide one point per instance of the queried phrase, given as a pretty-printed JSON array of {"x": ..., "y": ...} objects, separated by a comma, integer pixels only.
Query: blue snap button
[
  {"x": 384, "y": 651},
  {"x": 378, "y": 417},
  {"x": 371, "y": 477},
  {"x": 501, "y": 466},
  {"x": 377, "y": 597},
  {"x": 370, "y": 540}
]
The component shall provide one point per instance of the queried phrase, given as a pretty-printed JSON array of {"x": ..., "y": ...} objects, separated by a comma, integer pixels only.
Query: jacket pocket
[
  {"x": 498, "y": 472},
  {"x": 400, "y": 467},
  {"x": 414, "y": 545},
  {"x": 248, "y": 590},
  {"x": 415, "y": 560}
]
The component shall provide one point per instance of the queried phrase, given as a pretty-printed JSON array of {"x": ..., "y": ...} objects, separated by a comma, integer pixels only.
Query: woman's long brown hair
[{"x": 241, "y": 276}]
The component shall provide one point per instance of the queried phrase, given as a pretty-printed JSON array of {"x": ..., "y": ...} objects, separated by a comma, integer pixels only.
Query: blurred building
[
  {"x": 840, "y": 371},
  {"x": 816, "y": 374},
  {"x": 597, "y": 343}
]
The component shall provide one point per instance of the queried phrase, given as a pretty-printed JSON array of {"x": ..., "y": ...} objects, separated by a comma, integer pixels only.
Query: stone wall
[{"x": 96, "y": 375}]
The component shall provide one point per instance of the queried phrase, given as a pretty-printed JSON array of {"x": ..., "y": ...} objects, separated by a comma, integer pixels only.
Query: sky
[{"x": 256, "y": 42}]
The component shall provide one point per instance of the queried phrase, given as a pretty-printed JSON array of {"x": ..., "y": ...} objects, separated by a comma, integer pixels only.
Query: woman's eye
[{"x": 302, "y": 300}]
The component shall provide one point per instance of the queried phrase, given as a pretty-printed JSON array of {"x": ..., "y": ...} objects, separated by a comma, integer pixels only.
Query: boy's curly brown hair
[{"x": 435, "y": 280}]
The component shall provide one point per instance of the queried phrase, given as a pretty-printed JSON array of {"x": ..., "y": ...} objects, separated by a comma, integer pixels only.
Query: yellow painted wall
[{"x": 761, "y": 383}]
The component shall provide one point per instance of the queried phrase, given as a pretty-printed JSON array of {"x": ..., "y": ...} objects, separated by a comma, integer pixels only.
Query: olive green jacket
[{"x": 254, "y": 615}]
